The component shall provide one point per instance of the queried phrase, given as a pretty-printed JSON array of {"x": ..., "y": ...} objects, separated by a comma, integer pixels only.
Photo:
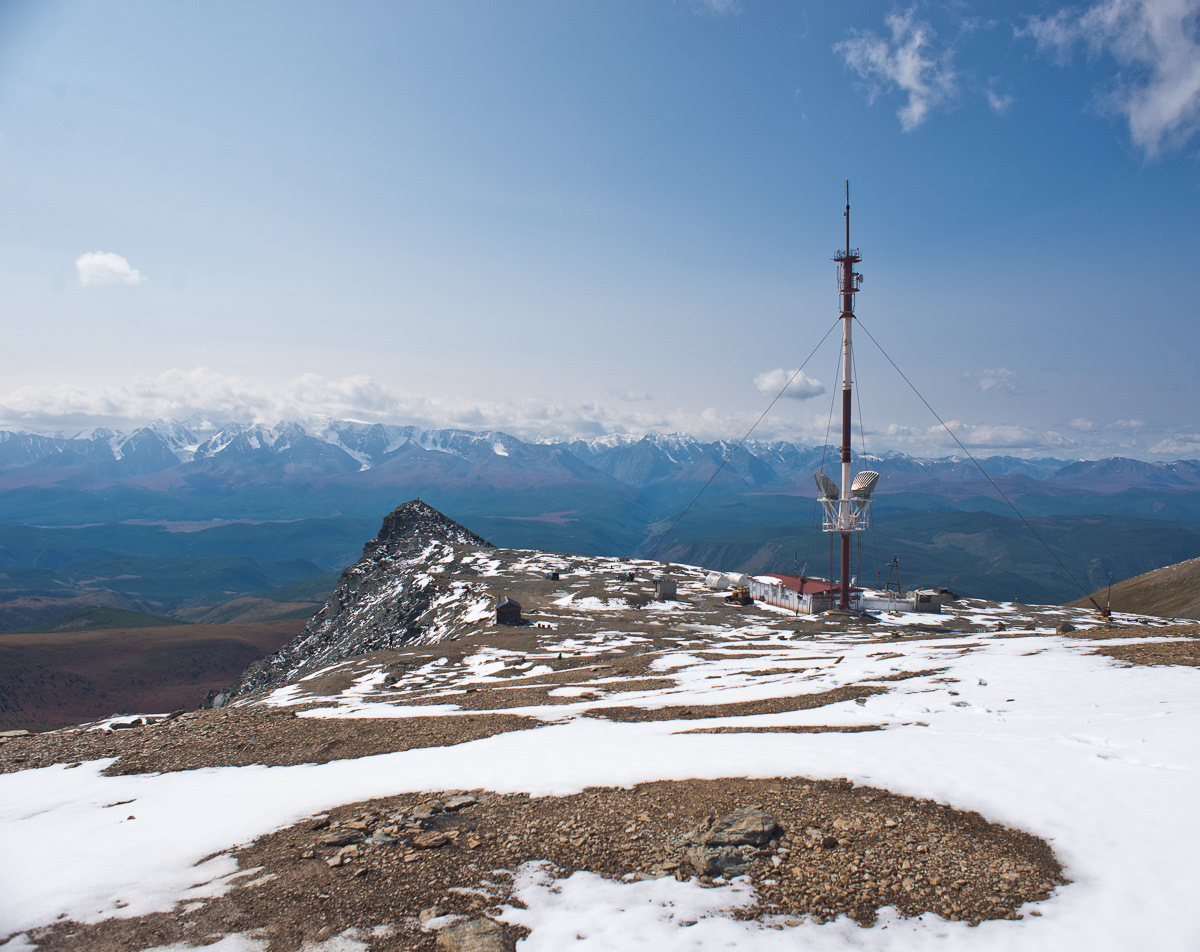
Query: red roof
[{"x": 805, "y": 585}]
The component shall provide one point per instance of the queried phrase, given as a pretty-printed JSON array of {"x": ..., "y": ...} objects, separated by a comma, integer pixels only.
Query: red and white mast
[{"x": 847, "y": 510}]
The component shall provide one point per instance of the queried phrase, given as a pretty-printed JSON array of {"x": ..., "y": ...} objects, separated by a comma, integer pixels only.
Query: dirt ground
[
  {"x": 237, "y": 737},
  {"x": 843, "y": 850},
  {"x": 1169, "y": 652}
]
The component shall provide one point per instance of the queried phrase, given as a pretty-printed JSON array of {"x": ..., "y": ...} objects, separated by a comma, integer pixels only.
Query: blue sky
[{"x": 606, "y": 217}]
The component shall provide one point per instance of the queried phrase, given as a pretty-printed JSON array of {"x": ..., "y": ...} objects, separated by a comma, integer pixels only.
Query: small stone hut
[{"x": 508, "y": 612}]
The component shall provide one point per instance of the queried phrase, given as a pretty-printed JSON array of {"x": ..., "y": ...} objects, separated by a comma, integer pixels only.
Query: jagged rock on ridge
[{"x": 384, "y": 600}]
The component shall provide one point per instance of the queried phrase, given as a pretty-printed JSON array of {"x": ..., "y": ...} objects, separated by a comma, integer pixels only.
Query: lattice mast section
[{"x": 847, "y": 508}]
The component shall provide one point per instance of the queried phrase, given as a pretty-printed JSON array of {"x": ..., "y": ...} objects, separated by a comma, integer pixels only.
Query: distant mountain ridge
[
  {"x": 167, "y": 452},
  {"x": 139, "y": 516}
]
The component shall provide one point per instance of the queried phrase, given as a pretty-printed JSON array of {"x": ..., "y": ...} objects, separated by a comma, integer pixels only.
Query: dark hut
[{"x": 508, "y": 612}]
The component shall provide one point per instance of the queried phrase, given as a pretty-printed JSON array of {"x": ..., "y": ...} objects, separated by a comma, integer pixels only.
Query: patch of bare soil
[
  {"x": 237, "y": 737},
  {"x": 1139, "y": 631},
  {"x": 921, "y": 632},
  {"x": 1163, "y": 652},
  {"x": 383, "y": 863},
  {"x": 567, "y": 669},
  {"x": 775, "y": 705},
  {"x": 906, "y": 675},
  {"x": 492, "y": 698}
]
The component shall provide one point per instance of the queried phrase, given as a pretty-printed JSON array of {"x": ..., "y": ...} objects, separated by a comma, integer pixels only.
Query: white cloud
[
  {"x": 203, "y": 394},
  {"x": 999, "y": 379},
  {"x": 1154, "y": 44},
  {"x": 801, "y": 388},
  {"x": 1184, "y": 444},
  {"x": 905, "y": 63},
  {"x": 98, "y": 268},
  {"x": 985, "y": 436}
]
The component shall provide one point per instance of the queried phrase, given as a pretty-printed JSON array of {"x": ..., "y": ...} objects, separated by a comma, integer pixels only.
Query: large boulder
[{"x": 726, "y": 847}]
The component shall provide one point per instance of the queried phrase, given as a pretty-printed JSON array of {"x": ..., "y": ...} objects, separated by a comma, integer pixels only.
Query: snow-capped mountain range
[{"x": 298, "y": 450}]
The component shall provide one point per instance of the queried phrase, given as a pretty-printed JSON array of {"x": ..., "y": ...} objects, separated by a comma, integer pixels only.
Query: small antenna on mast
[{"x": 847, "y": 218}]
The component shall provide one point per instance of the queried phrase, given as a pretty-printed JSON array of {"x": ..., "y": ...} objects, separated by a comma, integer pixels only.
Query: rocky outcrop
[
  {"x": 727, "y": 847},
  {"x": 474, "y": 935},
  {"x": 406, "y": 588}
]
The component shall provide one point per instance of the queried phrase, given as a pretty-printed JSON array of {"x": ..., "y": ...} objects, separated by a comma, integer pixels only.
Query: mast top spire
[
  {"x": 848, "y": 253},
  {"x": 847, "y": 218}
]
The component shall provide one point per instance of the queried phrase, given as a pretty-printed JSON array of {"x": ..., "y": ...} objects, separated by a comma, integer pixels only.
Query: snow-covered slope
[{"x": 930, "y": 772}]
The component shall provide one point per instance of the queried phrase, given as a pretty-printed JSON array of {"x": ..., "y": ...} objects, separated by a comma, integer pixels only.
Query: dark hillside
[
  {"x": 1172, "y": 592},
  {"x": 50, "y": 680},
  {"x": 98, "y": 618}
]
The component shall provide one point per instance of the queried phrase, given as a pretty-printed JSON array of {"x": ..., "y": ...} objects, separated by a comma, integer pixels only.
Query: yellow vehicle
[{"x": 740, "y": 595}]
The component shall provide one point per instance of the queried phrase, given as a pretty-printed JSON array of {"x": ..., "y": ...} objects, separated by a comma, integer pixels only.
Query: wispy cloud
[
  {"x": 1091, "y": 426},
  {"x": 1154, "y": 45},
  {"x": 98, "y": 268},
  {"x": 802, "y": 387},
  {"x": 906, "y": 62},
  {"x": 999, "y": 379},
  {"x": 983, "y": 436},
  {"x": 1000, "y": 103},
  {"x": 717, "y": 8}
]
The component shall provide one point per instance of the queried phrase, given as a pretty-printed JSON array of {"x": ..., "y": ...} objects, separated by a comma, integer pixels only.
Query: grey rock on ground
[
  {"x": 719, "y": 860},
  {"x": 726, "y": 847},
  {"x": 474, "y": 935},
  {"x": 745, "y": 826}
]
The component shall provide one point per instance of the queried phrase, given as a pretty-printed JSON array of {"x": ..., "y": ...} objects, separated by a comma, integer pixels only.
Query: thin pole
[{"x": 844, "y": 508}]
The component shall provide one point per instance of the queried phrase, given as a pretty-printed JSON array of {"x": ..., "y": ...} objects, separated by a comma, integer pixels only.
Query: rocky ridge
[{"x": 408, "y": 587}]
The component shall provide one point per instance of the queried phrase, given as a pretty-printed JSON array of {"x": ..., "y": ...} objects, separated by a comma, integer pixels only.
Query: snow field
[{"x": 1036, "y": 732}]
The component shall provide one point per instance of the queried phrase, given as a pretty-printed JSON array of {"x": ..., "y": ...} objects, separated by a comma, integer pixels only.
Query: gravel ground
[
  {"x": 775, "y": 705},
  {"x": 236, "y": 737},
  {"x": 1170, "y": 652},
  {"x": 842, "y": 850},
  {"x": 1190, "y": 630}
]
